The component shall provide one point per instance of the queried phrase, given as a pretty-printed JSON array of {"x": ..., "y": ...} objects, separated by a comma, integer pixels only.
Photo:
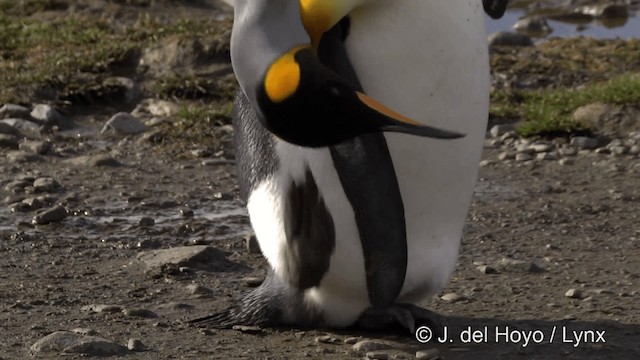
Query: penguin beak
[
  {"x": 307, "y": 104},
  {"x": 318, "y": 16}
]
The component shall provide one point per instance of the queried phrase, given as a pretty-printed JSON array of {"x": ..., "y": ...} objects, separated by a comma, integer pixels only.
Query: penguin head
[{"x": 298, "y": 99}]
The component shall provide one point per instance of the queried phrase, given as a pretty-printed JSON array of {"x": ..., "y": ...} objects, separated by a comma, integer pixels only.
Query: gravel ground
[{"x": 114, "y": 234}]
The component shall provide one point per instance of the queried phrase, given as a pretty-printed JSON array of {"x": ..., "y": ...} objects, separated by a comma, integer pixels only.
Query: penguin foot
[{"x": 407, "y": 316}]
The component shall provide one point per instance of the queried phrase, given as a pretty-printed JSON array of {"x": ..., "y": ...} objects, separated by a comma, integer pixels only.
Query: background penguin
[{"x": 357, "y": 227}]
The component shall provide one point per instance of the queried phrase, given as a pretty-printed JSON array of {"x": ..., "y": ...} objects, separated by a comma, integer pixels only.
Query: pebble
[
  {"x": 247, "y": 329},
  {"x": 499, "y": 130},
  {"x": 136, "y": 345},
  {"x": 486, "y": 269},
  {"x": 54, "y": 214},
  {"x": 370, "y": 345},
  {"x": 72, "y": 343},
  {"x": 195, "y": 289},
  {"x": 34, "y": 203},
  {"x": 9, "y": 130},
  {"x": 253, "y": 281},
  {"x": 584, "y": 142},
  {"x": 124, "y": 123},
  {"x": 533, "y": 26},
  {"x": 45, "y": 184},
  {"x": 431, "y": 354},
  {"x": 102, "y": 308},
  {"x": 35, "y": 146},
  {"x": 573, "y": 294},
  {"x": 523, "y": 157},
  {"x": 328, "y": 339},
  {"x": 141, "y": 313},
  {"x": 23, "y": 126},
  {"x": 13, "y": 111},
  {"x": 84, "y": 331},
  {"x": 452, "y": 298},
  {"x": 48, "y": 115},
  {"x": 352, "y": 340},
  {"x": 377, "y": 355},
  {"x": 146, "y": 221},
  {"x": 8, "y": 141},
  {"x": 506, "y": 156}
]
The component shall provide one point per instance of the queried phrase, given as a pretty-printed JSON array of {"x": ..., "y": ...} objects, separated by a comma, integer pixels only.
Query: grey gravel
[
  {"x": 141, "y": 313},
  {"x": 54, "y": 214},
  {"x": 352, "y": 340},
  {"x": 584, "y": 142},
  {"x": 452, "y": 297},
  {"x": 23, "y": 126},
  {"x": 328, "y": 339},
  {"x": 195, "y": 289},
  {"x": 45, "y": 184},
  {"x": 519, "y": 266},
  {"x": 102, "y": 308},
  {"x": 101, "y": 160},
  {"x": 499, "y": 130},
  {"x": 84, "y": 331},
  {"x": 21, "y": 157},
  {"x": 486, "y": 269}
]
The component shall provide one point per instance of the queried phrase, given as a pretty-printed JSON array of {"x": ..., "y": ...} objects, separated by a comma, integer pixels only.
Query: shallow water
[{"x": 626, "y": 28}]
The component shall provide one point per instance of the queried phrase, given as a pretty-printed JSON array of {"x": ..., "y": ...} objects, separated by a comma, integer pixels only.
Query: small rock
[
  {"x": 452, "y": 298},
  {"x": 253, "y": 281},
  {"x": 566, "y": 162},
  {"x": 541, "y": 147},
  {"x": 590, "y": 114},
  {"x": 71, "y": 343},
  {"x": 486, "y": 269},
  {"x": 141, "y": 313},
  {"x": 247, "y": 329},
  {"x": 45, "y": 184},
  {"x": 573, "y": 294},
  {"x": 85, "y": 331},
  {"x": 54, "y": 214},
  {"x": 200, "y": 257},
  {"x": 370, "y": 345},
  {"x": 124, "y": 123},
  {"x": 499, "y": 130},
  {"x": 13, "y": 111},
  {"x": 48, "y": 115},
  {"x": 253, "y": 247},
  {"x": 195, "y": 289},
  {"x": 584, "y": 142},
  {"x": 431, "y": 354},
  {"x": 146, "y": 221},
  {"x": 9, "y": 130},
  {"x": 328, "y": 339},
  {"x": 35, "y": 146},
  {"x": 521, "y": 266},
  {"x": 21, "y": 126},
  {"x": 523, "y": 157},
  {"x": 377, "y": 355},
  {"x": 536, "y": 26},
  {"x": 352, "y": 340},
  {"x": 34, "y": 203},
  {"x": 506, "y": 156},
  {"x": 186, "y": 213},
  {"x": 506, "y": 38},
  {"x": 620, "y": 150},
  {"x": 102, "y": 308},
  {"x": 136, "y": 345},
  {"x": 8, "y": 141},
  {"x": 548, "y": 156}
]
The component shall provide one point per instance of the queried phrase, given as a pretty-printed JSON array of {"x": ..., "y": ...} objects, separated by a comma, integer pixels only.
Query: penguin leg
[{"x": 407, "y": 316}]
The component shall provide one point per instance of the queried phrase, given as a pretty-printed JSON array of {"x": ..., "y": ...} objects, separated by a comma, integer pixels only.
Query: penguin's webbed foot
[{"x": 407, "y": 316}]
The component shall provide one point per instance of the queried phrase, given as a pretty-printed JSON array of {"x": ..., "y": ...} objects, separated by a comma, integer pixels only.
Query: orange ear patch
[{"x": 283, "y": 77}]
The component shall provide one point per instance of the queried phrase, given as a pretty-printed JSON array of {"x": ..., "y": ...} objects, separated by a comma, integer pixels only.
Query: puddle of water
[{"x": 595, "y": 28}]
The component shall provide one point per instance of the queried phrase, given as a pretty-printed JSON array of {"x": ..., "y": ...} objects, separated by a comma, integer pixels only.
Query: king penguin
[{"x": 359, "y": 127}]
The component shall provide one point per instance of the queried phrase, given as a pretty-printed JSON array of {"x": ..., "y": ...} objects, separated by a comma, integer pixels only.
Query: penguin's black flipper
[
  {"x": 495, "y": 8},
  {"x": 274, "y": 303}
]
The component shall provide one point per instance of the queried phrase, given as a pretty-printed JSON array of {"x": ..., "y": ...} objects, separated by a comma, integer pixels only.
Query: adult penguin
[{"x": 358, "y": 225}]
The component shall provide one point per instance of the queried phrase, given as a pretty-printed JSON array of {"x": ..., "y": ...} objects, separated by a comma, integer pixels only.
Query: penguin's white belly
[
  {"x": 428, "y": 60},
  {"x": 342, "y": 294}
]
